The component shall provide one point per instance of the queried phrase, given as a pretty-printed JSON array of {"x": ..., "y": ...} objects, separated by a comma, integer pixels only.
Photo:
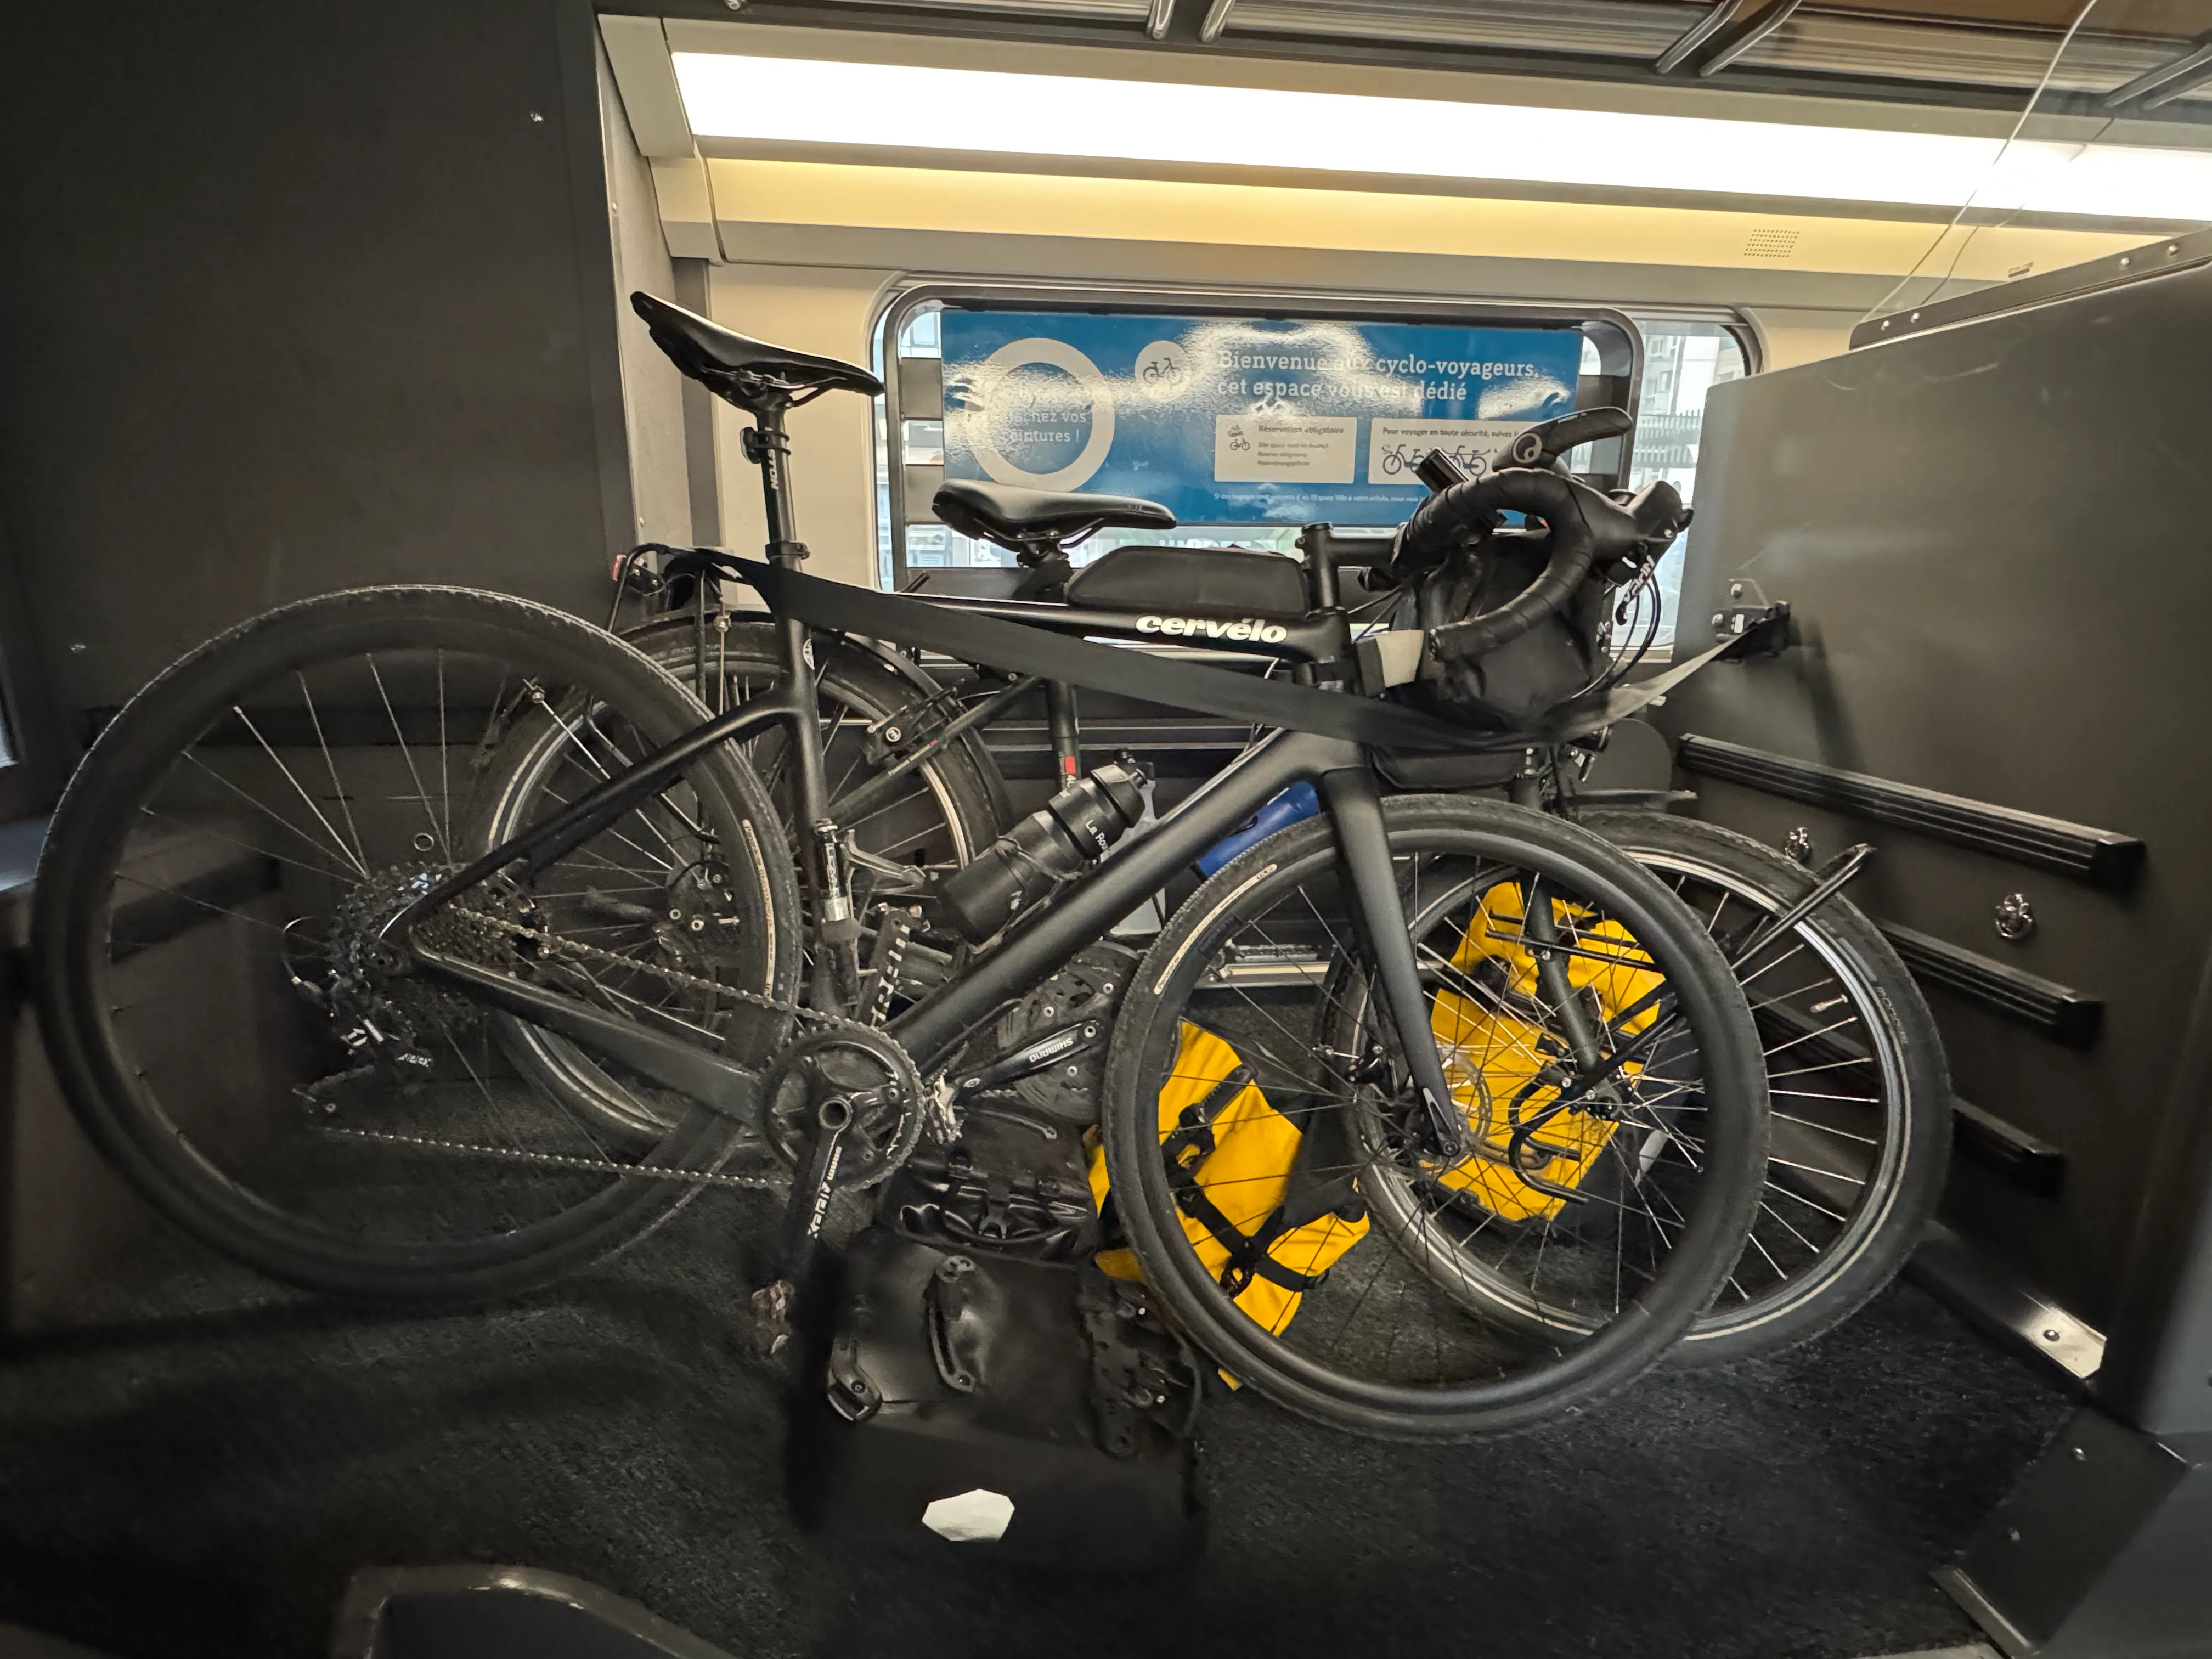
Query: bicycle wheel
[
  {"x": 228, "y": 1027},
  {"x": 1861, "y": 1133},
  {"x": 1632, "y": 1092},
  {"x": 942, "y": 814}
]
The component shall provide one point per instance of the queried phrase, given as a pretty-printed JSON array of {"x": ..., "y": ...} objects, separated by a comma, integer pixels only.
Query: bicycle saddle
[
  {"x": 1025, "y": 520},
  {"x": 751, "y": 374}
]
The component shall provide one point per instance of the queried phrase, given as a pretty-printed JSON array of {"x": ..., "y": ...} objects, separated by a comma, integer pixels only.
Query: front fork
[
  {"x": 1542, "y": 930},
  {"x": 1355, "y": 806}
]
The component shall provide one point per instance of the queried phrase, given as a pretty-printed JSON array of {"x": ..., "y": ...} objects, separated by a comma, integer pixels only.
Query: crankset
[
  {"x": 844, "y": 1106},
  {"x": 492, "y": 952}
]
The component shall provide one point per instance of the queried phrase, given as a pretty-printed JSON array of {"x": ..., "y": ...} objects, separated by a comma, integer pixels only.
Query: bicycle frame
[{"x": 1078, "y": 916}]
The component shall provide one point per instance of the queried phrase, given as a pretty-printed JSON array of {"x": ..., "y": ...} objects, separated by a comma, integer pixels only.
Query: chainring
[{"x": 867, "y": 1067}]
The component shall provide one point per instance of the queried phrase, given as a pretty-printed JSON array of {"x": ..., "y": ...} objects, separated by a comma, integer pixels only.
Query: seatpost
[
  {"x": 769, "y": 448},
  {"x": 821, "y": 845},
  {"x": 1067, "y": 729}
]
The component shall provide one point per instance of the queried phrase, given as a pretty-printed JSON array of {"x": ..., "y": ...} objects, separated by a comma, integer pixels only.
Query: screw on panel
[
  {"x": 1798, "y": 844},
  {"x": 2014, "y": 918}
]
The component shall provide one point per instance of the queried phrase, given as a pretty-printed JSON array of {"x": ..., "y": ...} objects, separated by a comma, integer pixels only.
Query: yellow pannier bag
[
  {"x": 1492, "y": 1057},
  {"x": 1265, "y": 1222}
]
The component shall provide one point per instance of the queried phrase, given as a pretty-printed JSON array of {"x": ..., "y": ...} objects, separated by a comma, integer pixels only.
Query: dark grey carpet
[{"x": 195, "y": 1470}]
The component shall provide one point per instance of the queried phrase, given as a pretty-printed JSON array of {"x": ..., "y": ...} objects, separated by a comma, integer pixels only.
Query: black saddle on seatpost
[{"x": 752, "y": 374}]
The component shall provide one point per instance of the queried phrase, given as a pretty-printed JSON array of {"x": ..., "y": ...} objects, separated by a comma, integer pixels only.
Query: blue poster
[{"x": 1240, "y": 421}]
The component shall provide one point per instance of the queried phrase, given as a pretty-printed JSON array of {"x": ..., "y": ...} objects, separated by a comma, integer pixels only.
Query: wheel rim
[
  {"x": 1517, "y": 1370},
  {"x": 1792, "y": 1204}
]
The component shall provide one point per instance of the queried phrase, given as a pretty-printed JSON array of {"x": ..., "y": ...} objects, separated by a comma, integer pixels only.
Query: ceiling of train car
[{"x": 2136, "y": 56}]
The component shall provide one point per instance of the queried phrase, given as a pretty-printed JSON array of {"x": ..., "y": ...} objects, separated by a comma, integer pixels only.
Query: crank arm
[
  {"x": 1078, "y": 1038},
  {"x": 690, "y": 1069},
  {"x": 892, "y": 878},
  {"x": 776, "y": 1307},
  {"x": 811, "y": 1189}
]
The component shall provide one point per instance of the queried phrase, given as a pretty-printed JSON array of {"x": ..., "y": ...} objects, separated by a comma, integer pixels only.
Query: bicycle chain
[
  {"x": 926, "y": 1100},
  {"x": 558, "y": 1160}
]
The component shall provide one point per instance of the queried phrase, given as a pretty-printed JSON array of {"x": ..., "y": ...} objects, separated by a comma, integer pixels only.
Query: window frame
[{"x": 1656, "y": 321}]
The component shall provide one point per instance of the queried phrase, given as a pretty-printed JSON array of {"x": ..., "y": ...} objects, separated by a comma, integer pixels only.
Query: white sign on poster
[
  {"x": 1250, "y": 448},
  {"x": 1395, "y": 448}
]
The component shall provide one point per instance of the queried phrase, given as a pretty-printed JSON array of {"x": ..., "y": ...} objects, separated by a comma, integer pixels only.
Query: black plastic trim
[
  {"x": 2100, "y": 858},
  {"x": 2028, "y": 1162},
  {"x": 2068, "y": 1017}
]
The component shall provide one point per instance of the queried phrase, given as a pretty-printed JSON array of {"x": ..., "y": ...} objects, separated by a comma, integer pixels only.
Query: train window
[
  {"x": 935, "y": 546},
  {"x": 1683, "y": 362},
  {"x": 1358, "y": 393}
]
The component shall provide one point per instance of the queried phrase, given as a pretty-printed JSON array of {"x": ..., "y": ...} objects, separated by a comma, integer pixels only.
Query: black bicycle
[
  {"x": 426, "y": 942},
  {"x": 1862, "y": 1122}
]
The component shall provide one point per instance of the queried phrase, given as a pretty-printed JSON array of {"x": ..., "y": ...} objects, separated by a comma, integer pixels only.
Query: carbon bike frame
[{"x": 1080, "y": 914}]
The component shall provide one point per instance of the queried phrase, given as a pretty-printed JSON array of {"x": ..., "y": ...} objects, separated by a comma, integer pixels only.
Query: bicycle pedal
[{"x": 774, "y": 1333}]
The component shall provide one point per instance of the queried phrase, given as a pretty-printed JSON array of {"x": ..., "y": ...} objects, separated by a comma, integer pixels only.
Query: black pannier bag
[
  {"x": 1012, "y": 1182},
  {"x": 1034, "y": 1411}
]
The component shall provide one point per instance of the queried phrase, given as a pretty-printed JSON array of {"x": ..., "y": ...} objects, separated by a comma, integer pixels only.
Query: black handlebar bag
[{"x": 1511, "y": 688}]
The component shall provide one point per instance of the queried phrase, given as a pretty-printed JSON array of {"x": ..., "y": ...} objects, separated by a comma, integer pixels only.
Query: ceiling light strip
[{"x": 911, "y": 109}]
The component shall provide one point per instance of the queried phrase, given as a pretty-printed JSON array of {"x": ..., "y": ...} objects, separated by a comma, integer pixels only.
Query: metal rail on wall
[{"x": 1619, "y": 342}]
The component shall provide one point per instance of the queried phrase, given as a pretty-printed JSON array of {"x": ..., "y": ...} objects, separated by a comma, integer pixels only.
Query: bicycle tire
[
  {"x": 77, "y": 877},
  {"x": 1642, "y": 1330},
  {"x": 1905, "y": 1055}
]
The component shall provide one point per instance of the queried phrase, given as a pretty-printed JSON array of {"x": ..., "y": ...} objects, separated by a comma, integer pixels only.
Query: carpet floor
[{"x": 194, "y": 1469}]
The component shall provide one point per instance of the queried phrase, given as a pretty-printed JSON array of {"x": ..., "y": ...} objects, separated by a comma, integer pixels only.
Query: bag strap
[
  {"x": 1247, "y": 1252},
  {"x": 1193, "y": 1129},
  {"x": 1022, "y": 649}
]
